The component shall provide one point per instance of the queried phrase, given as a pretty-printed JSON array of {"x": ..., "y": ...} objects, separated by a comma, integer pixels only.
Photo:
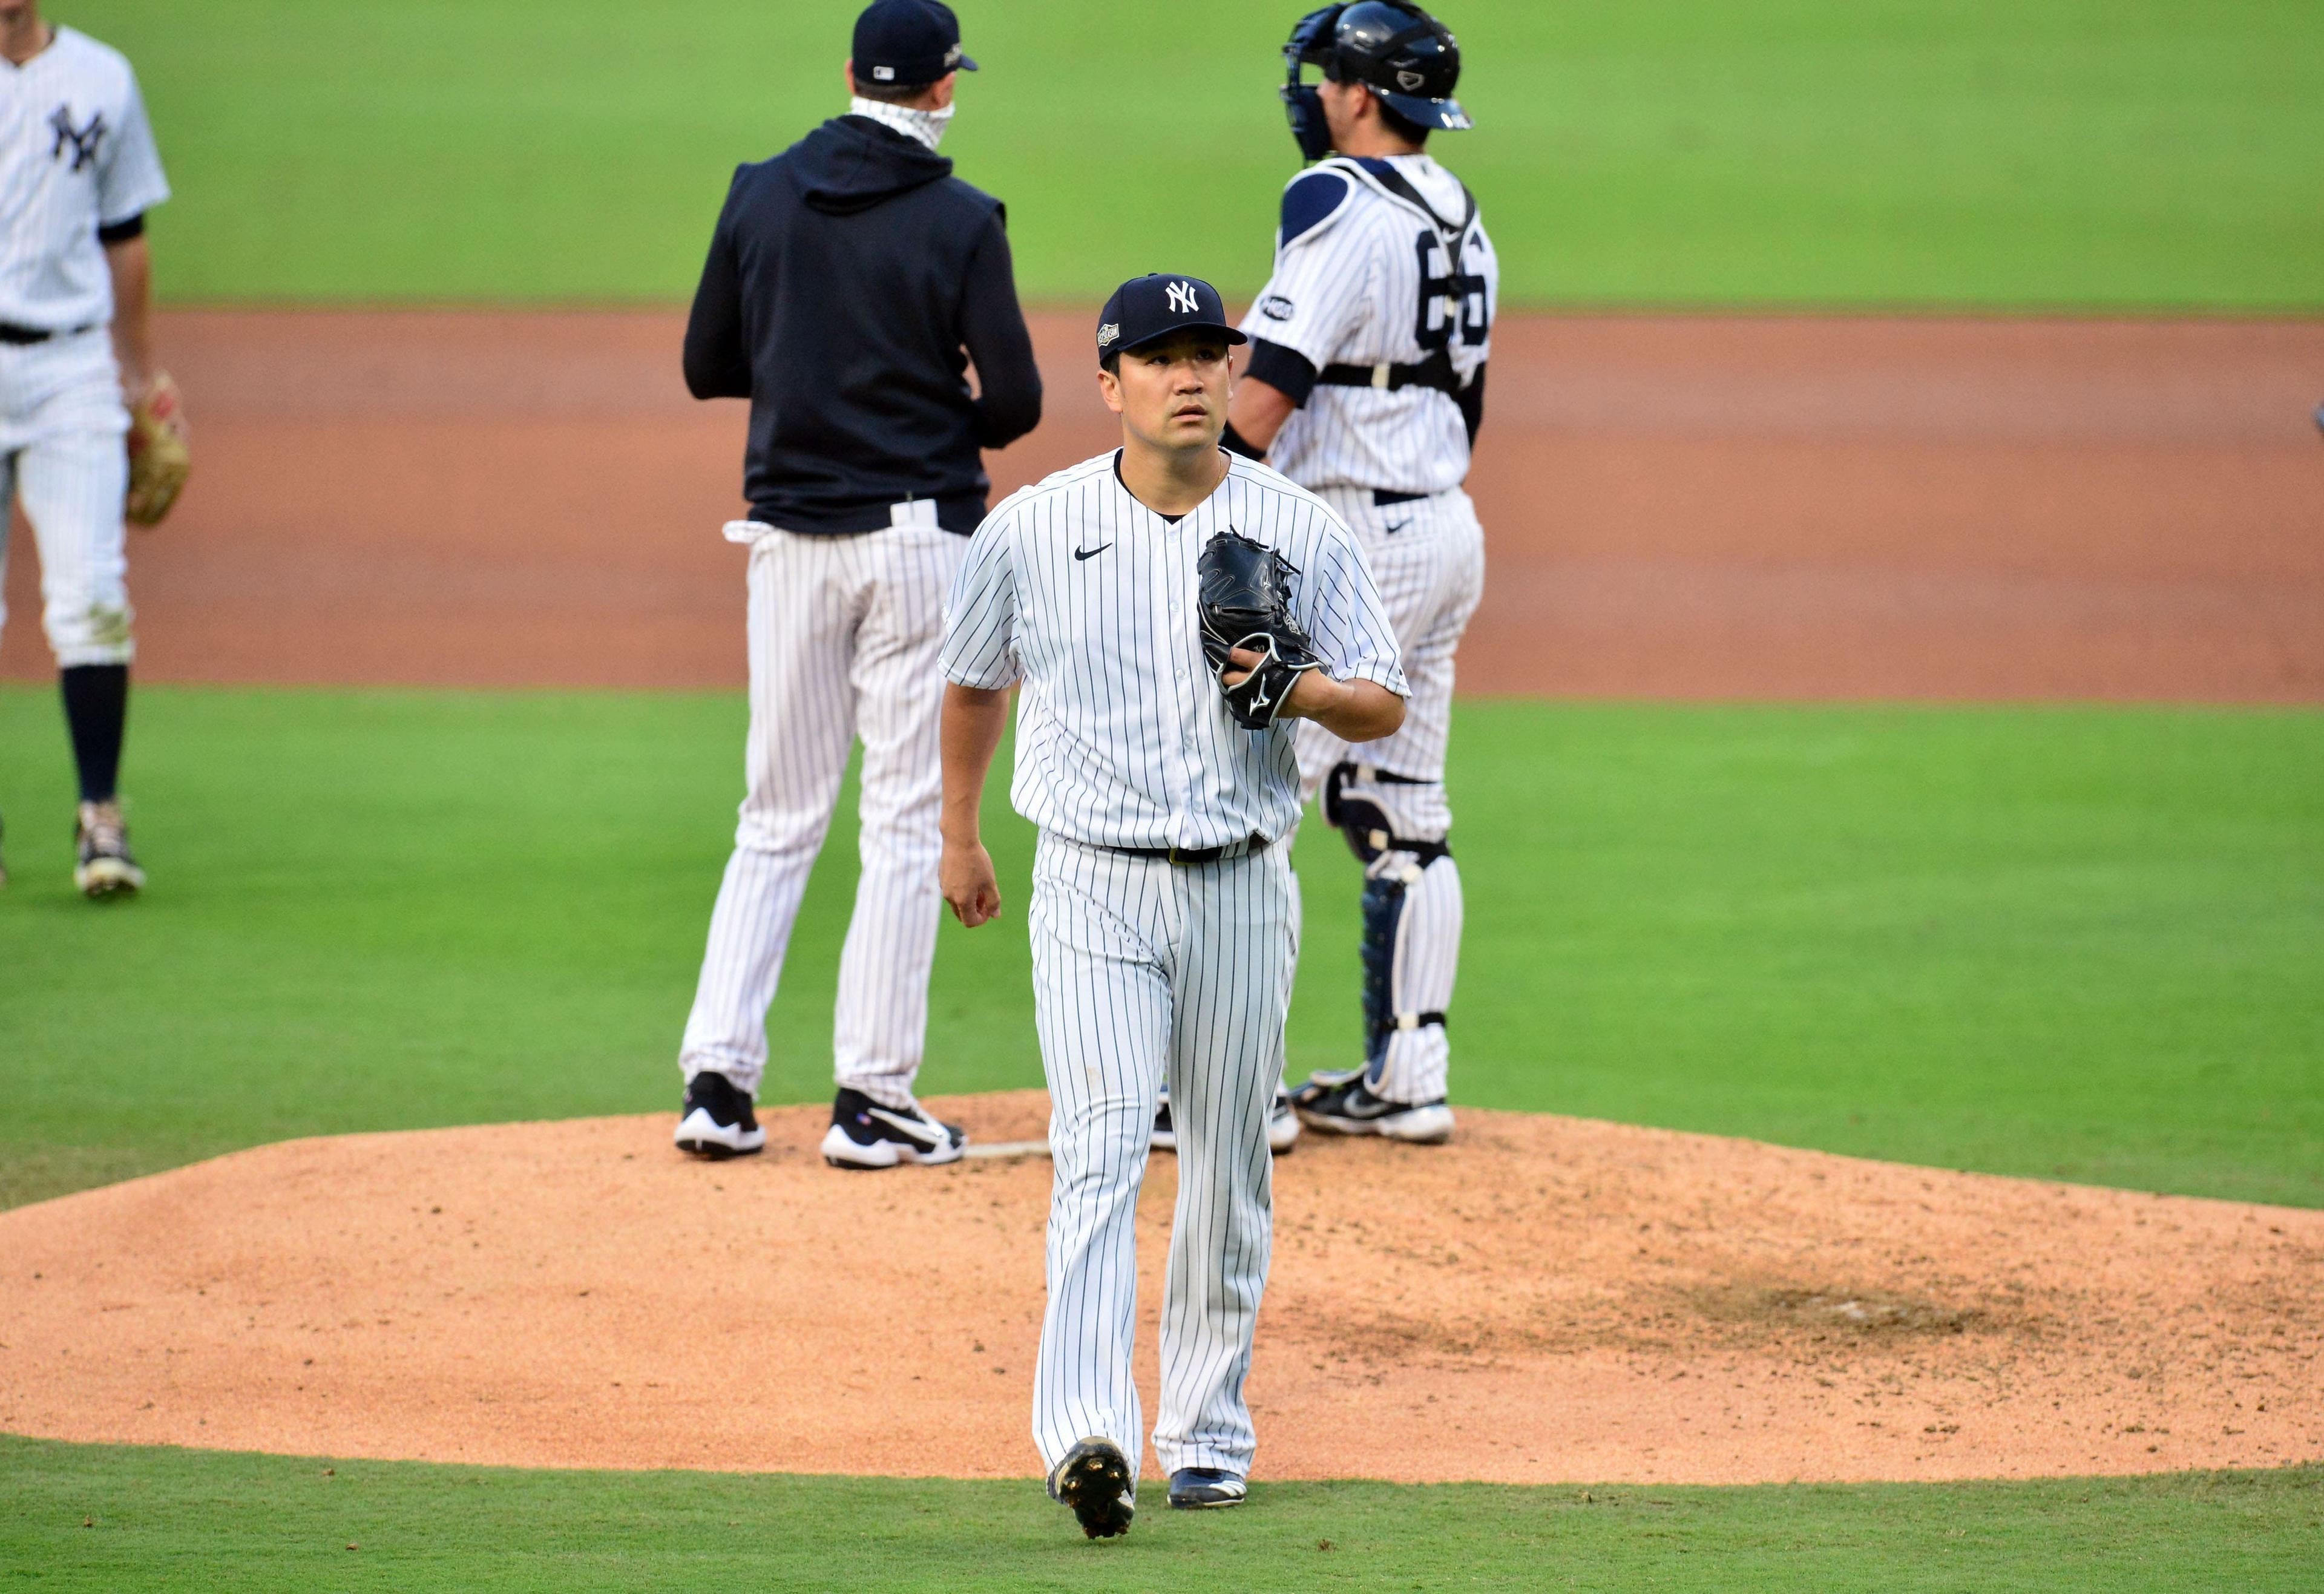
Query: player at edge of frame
[{"x": 92, "y": 434}]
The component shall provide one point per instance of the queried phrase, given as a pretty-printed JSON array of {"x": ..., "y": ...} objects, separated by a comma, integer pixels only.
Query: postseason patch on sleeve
[
  {"x": 1313, "y": 198},
  {"x": 1275, "y": 308}
]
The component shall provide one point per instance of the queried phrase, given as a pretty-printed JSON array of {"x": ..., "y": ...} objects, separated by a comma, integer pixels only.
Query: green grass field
[
  {"x": 164, "y": 1519},
  {"x": 2082, "y": 943},
  {"x": 1988, "y": 153}
]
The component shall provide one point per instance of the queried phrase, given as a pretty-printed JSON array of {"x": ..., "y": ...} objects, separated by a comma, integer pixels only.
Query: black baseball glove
[{"x": 1246, "y": 603}]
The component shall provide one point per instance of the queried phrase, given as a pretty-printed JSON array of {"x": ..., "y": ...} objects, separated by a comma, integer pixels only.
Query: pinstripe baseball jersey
[
  {"x": 1079, "y": 591},
  {"x": 1363, "y": 277},
  {"x": 76, "y": 155}
]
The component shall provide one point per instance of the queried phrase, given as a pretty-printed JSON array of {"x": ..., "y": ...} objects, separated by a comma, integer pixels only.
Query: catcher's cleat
[
  {"x": 865, "y": 1135},
  {"x": 717, "y": 1122},
  {"x": 1093, "y": 1482},
  {"x": 1321, "y": 1083},
  {"x": 104, "y": 866},
  {"x": 1282, "y": 1125},
  {"x": 1350, "y": 1109},
  {"x": 1205, "y": 1489}
]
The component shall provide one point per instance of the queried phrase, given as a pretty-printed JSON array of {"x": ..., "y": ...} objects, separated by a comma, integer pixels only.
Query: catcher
[
  {"x": 1168, "y": 610},
  {"x": 76, "y": 375}
]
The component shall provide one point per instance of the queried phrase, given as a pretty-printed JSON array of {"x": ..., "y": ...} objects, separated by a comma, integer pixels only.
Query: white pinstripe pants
[
  {"x": 61, "y": 425},
  {"x": 1428, "y": 558},
  {"x": 844, "y": 636},
  {"x": 1143, "y": 970}
]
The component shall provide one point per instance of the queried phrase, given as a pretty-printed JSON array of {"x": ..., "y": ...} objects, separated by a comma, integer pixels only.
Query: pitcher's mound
[{"x": 1544, "y": 1299}]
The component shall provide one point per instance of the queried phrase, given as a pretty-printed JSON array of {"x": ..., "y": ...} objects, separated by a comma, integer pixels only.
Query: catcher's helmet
[{"x": 1391, "y": 47}]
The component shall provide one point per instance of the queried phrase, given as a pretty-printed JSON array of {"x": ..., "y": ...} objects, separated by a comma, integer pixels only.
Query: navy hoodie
[{"x": 850, "y": 281}]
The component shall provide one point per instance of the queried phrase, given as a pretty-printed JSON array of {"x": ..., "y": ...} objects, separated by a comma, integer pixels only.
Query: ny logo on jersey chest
[{"x": 83, "y": 141}]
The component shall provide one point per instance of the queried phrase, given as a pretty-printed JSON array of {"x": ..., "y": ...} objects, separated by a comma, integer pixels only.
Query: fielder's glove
[
  {"x": 1245, "y": 601},
  {"x": 160, "y": 453}
]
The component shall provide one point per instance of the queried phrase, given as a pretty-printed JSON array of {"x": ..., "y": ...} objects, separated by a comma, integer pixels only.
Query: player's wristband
[{"x": 1234, "y": 442}]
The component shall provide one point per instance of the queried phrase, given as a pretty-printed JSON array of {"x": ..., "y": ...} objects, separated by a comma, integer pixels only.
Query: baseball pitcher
[
  {"x": 850, "y": 282},
  {"x": 1170, "y": 612},
  {"x": 1366, "y": 385},
  {"x": 91, "y": 433}
]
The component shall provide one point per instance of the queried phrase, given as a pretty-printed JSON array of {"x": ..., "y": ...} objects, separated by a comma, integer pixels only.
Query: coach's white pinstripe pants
[
  {"x": 61, "y": 425},
  {"x": 843, "y": 634},
  {"x": 1141, "y": 969}
]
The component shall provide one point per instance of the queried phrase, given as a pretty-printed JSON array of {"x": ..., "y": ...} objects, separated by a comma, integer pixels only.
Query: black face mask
[{"x": 1311, "y": 42}]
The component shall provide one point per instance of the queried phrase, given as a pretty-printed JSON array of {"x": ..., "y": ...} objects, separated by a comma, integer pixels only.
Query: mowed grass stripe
[
  {"x": 2012, "y": 153},
  {"x": 89, "y": 1518},
  {"x": 2086, "y": 944}
]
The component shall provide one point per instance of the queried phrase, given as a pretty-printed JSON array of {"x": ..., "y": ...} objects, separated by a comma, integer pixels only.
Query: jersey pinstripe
[
  {"x": 75, "y": 153},
  {"x": 1362, "y": 278},
  {"x": 1086, "y": 595},
  {"x": 1147, "y": 973}
]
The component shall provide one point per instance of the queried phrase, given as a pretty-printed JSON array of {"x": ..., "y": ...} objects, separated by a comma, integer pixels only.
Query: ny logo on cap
[{"x": 1182, "y": 299}]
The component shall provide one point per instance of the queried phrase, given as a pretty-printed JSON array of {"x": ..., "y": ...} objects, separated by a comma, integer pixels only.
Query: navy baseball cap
[
  {"x": 900, "y": 42},
  {"x": 1150, "y": 306}
]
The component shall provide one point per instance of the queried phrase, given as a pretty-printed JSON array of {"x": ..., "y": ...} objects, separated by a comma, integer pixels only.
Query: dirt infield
[
  {"x": 1553, "y": 1300},
  {"x": 1682, "y": 507}
]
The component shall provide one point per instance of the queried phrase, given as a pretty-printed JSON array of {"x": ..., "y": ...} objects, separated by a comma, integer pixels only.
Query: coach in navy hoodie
[{"x": 852, "y": 283}]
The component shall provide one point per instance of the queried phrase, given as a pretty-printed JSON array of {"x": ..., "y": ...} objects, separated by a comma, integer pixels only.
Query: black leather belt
[
  {"x": 1384, "y": 499},
  {"x": 21, "y": 336},
  {"x": 1183, "y": 856},
  {"x": 1434, "y": 372}
]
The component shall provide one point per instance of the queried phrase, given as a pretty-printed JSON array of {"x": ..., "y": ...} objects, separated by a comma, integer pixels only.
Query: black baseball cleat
[
  {"x": 1282, "y": 1127},
  {"x": 865, "y": 1135},
  {"x": 1205, "y": 1489},
  {"x": 1321, "y": 1083},
  {"x": 717, "y": 1121},
  {"x": 1350, "y": 1109},
  {"x": 1093, "y": 1482}
]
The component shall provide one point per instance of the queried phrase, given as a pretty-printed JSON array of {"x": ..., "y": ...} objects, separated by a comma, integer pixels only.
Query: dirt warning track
[
  {"x": 1677, "y": 507},
  {"x": 1556, "y": 1300}
]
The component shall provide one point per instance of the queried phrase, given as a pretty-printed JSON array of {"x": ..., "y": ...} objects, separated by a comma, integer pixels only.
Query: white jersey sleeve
[
  {"x": 1340, "y": 610},
  {"x": 1316, "y": 300},
  {"x": 979, "y": 641},
  {"x": 129, "y": 180}
]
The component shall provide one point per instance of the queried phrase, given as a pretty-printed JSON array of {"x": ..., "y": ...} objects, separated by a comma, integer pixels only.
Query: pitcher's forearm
[{"x": 973, "y": 724}]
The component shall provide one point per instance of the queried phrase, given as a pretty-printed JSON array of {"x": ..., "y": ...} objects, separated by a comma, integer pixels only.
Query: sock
[{"x": 97, "y": 710}]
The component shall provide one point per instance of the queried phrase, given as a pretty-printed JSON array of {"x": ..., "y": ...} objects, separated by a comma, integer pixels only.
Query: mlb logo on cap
[
  {"x": 907, "y": 42},
  {"x": 1146, "y": 308}
]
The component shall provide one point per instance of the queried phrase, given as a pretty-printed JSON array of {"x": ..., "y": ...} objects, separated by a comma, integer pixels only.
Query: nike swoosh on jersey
[{"x": 1089, "y": 553}]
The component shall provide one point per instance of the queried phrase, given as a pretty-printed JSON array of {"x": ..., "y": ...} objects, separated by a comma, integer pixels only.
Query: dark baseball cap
[
  {"x": 906, "y": 41},
  {"x": 1155, "y": 306}
]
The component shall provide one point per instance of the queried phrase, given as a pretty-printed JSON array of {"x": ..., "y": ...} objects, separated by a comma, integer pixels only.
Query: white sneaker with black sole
[
  {"x": 865, "y": 1134},
  {"x": 717, "y": 1122},
  {"x": 1348, "y": 1108},
  {"x": 1282, "y": 1125}
]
